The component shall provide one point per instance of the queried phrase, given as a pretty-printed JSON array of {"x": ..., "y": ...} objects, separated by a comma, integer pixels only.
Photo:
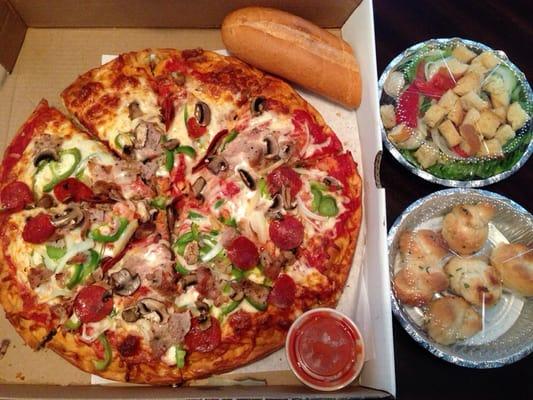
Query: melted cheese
[
  {"x": 188, "y": 298},
  {"x": 169, "y": 358},
  {"x": 304, "y": 275}
]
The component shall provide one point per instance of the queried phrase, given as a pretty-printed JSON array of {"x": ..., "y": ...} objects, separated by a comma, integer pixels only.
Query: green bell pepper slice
[
  {"x": 169, "y": 160},
  {"x": 328, "y": 207},
  {"x": 185, "y": 239},
  {"x": 180, "y": 357},
  {"x": 257, "y": 305},
  {"x": 75, "y": 277},
  {"x": 230, "y": 307},
  {"x": 90, "y": 265},
  {"x": 102, "y": 364},
  {"x": 181, "y": 269},
  {"x": 218, "y": 204},
  {"x": 237, "y": 273},
  {"x": 71, "y": 325},
  {"x": 159, "y": 202},
  {"x": 55, "y": 253},
  {"x": 122, "y": 140},
  {"x": 317, "y": 197},
  {"x": 76, "y": 154},
  {"x": 97, "y": 236},
  {"x": 187, "y": 150}
]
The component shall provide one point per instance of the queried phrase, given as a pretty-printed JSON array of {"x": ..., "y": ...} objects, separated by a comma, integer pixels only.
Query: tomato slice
[
  {"x": 194, "y": 129},
  {"x": 284, "y": 176},
  {"x": 460, "y": 152},
  {"x": 38, "y": 229},
  {"x": 440, "y": 83},
  {"x": 286, "y": 233},
  {"x": 243, "y": 253},
  {"x": 283, "y": 292},
  {"x": 92, "y": 304},
  {"x": 203, "y": 341},
  {"x": 407, "y": 109},
  {"x": 15, "y": 196},
  {"x": 71, "y": 189}
]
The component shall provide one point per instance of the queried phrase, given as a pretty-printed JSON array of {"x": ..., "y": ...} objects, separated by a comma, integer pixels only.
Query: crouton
[
  {"x": 400, "y": 133},
  {"x": 456, "y": 114},
  {"x": 471, "y": 117},
  {"x": 388, "y": 116},
  {"x": 463, "y": 53},
  {"x": 488, "y": 59},
  {"x": 448, "y": 99},
  {"x": 490, "y": 148},
  {"x": 487, "y": 124},
  {"x": 434, "y": 115},
  {"x": 472, "y": 100},
  {"x": 516, "y": 116},
  {"x": 456, "y": 67},
  {"x": 477, "y": 69},
  {"x": 504, "y": 134},
  {"x": 501, "y": 112},
  {"x": 468, "y": 83},
  {"x": 447, "y": 129},
  {"x": 472, "y": 142},
  {"x": 501, "y": 99},
  {"x": 427, "y": 155}
]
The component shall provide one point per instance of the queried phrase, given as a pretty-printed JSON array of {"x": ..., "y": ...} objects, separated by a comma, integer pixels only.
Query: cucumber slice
[{"x": 509, "y": 78}]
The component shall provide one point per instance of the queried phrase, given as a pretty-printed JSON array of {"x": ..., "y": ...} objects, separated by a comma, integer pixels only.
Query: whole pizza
[{"x": 194, "y": 209}]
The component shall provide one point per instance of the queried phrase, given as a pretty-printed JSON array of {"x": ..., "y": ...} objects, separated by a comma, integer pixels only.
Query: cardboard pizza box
[{"x": 44, "y": 45}]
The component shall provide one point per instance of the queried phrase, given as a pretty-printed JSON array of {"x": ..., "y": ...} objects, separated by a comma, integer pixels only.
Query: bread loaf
[{"x": 295, "y": 49}]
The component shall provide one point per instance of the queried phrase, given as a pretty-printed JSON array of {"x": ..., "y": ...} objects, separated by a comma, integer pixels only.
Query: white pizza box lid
[{"x": 51, "y": 58}]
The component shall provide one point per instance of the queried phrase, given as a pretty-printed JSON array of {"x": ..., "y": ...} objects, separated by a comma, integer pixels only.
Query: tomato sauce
[{"x": 325, "y": 350}]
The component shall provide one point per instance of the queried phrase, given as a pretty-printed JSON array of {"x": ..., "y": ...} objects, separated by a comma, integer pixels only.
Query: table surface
[{"x": 504, "y": 25}]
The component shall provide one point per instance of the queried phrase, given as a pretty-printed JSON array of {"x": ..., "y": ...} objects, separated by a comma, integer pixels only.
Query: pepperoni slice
[
  {"x": 203, "y": 341},
  {"x": 283, "y": 292},
  {"x": 243, "y": 253},
  {"x": 284, "y": 176},
  {"x": 194, "y": 129},
  {"x": 71, "y": 189},
  {"x": 286, "y": 233},
  {"x": 15, "y": 196},
  {"x": 92, "y": 304},
  {"x": 38, "y": 229}
]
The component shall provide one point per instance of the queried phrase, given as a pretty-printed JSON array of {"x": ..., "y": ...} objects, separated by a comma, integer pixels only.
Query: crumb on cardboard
[
  {"x": 20, "y": 376},
  {"x": 3, "y": 347}
]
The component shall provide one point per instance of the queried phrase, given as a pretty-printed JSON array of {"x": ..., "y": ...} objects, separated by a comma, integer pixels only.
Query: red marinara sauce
[{"x": 325, "y": 349}]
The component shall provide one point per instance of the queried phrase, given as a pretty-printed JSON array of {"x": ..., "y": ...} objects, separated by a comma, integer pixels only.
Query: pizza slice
[
  {"x": 49, "y": 253},
  {"x": 50, "y": 161}
]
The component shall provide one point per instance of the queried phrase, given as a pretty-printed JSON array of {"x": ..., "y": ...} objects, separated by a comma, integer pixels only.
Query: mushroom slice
[
  {"x": 124, "y": 284},
  {"x": 203, "y": 309},
  {"x": 271, "y": 147},
  {"x": 198, "y": 186},
  {"x": 131, "y": 314},
  {"x": 258, "y": 105},
  {"x": 332, "y": 182},
  {"x": 171, "y": 144},
  {"x": 286, "y": 198},
  {"x": 217, "y": 164},
  {"x": 248, "y": 180},
  {"x": 202, "y": 113},
  {"x": 275, "y": 207},
  {"x": 141, "y": 134},
  {"x": 71, "y": 216},
  {"x": 134, "y": 110},
  {"x": 188, "y": 280},
  {"x": 46, "y": 154},
  {"x": 285, "y": 151},
  {"x": 152, "y": 309}
]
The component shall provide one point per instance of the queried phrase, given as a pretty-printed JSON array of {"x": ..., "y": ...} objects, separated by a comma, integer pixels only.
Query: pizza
[{"x": 176, "y": 226}]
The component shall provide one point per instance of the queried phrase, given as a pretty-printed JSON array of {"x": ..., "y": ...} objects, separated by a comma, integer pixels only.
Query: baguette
[{"x": 295, "y": 49}]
